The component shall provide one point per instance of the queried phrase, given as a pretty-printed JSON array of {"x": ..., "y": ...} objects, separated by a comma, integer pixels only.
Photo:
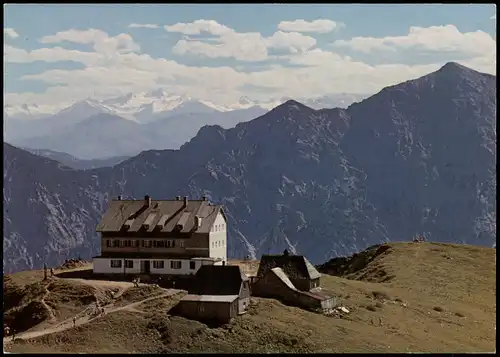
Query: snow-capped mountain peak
[{"x": 148, "y": 106}]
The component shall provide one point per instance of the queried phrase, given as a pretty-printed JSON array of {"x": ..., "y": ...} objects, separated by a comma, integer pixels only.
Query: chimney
[
  {"x": 204, "y": 197},
  {"x": 147, "y": 201},
  {"x": 119, "y": 197},
  {"x": 197, "y": 221},
  {"x": 185, "y": 201},
  {"x": 177, "y": 198}
]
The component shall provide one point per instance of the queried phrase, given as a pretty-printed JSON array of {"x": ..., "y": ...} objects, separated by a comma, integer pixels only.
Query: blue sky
[{"x": 357, "y": 48}]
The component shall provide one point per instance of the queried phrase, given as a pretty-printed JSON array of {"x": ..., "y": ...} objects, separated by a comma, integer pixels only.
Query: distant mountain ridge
[
  {"x": 145, "y": 107},
  {"x": 168, "y": 122},
  {"x": 107, "y": 135},
  {"x": 416, "y": 158},
  {"x": 76, "y": 163}
]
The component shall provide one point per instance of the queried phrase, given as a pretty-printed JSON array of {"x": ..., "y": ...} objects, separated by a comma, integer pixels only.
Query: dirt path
[
  {"x": 52, "y": 318},
  {"x": 82, "y": 318},
  {"x": 103, "y": 283}
]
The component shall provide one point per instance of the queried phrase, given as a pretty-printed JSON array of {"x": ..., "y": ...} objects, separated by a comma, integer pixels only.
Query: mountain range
[
  {"x": 126, "y": 125},
  {"x": 417, "y": 158},
  {"x": 102, "y": 135},
  {"x": 148, "y": 106},
  {"x": 76, "y": 163}
]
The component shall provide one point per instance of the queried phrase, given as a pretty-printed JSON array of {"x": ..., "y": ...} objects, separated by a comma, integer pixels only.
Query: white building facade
[
  {"x": 218, "y": 239},
  {"x": 163, "y": 237}
]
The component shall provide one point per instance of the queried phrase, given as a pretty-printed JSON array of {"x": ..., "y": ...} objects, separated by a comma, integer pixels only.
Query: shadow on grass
[
  {"x": 209, "y": 322},
  {"x": 167, "y": 282}
]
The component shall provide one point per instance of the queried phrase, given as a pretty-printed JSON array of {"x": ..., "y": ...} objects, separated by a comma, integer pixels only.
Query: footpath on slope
[{"x": 87, "y": 315}]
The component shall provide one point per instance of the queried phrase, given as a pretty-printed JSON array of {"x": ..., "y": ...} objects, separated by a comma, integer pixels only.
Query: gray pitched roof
[
  {"x": 282, "y": 276},
  {"x": 218, "y": 280},
  {"x": 160, "y": 215},
  {"x": 294, "y": 266}
]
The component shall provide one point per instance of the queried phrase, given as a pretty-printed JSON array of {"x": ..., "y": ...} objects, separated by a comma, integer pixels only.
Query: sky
[{"x": 56, "y": 54}]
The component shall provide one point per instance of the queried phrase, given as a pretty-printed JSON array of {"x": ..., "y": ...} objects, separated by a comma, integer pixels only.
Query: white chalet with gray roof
[{"x": 166, "y": 237}]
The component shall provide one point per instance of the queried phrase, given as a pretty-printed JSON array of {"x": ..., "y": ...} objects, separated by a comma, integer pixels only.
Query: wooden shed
[
  {"x": 297, "y": 268},
  {"x": 220, "y": 308},
  {"x": 218, "y": 293},
  {"x": 223, "y": 280},
  {"x": 276, "y": 284}
]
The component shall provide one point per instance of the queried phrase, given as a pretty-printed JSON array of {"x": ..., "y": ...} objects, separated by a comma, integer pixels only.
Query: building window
[
  {"x": 181, "y": 244},
  {"x": 108, "y": 243},
  {"x": 158, "y": 264},
  {"x": 147, "y": 244},
  {"x": 175, "y": 264},
  {"x": 122, "y": 243},
  {"x": 116, "y": 263},
  {"x": 129, "y": 264},
  {"x": 116, "y": 243},
  {"x": 137, "y": 244},
  {"x": 170, "y": 244},
  {"x": 192, "y": 265},
  {"x": 159, "y": 244},
  {"x": 128, "y": 243}
]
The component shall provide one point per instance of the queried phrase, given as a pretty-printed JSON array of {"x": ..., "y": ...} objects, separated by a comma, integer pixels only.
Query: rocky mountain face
[
  {"x": 416, "y": 158},
  {"x": 49, "y": 210}
]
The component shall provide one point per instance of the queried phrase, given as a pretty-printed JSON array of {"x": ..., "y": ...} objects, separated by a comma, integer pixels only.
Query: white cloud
[
  {"x": 54, "y": 54},
  {"x": 145, "y": 26},
  {"x": 10, "y": 32},
  {"x": 248, "y": 46},
  {"x": 197, "y": 27},
  {"x": 293, "y": 42},
  {"x": 102, "y": 42},
  {"x": 316, "y": 26},
  {"x": 439, "y": 39},
  {"x": 109, "y": 71}
]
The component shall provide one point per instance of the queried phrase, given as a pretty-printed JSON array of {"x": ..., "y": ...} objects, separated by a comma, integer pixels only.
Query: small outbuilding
[
  {"x": 218, "y": 293},
  {"x": 220, "y": 308},
  {"x": 293, "y": 280},
  {"x": 297, "y": 268}
]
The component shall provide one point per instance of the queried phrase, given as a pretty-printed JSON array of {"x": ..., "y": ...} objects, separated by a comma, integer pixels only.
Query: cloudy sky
[{"x": 64, "y": 53}]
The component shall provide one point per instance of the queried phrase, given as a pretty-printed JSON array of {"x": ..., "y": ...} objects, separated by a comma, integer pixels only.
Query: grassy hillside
[{"x": 401, "y": 297}]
